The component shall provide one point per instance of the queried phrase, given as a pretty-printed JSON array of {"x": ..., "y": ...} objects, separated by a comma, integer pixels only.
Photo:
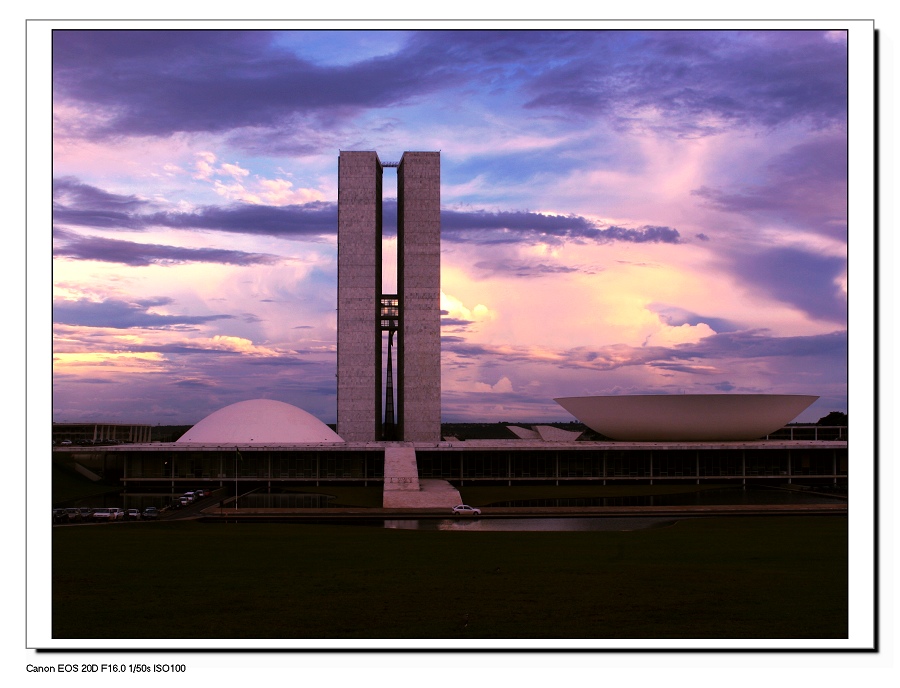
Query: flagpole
[{"x": 236, "y": 452}]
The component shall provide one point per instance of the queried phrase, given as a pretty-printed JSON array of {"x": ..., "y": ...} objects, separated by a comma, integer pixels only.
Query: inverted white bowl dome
[
  {"x": 259, "y": 421},
  {"x": 687, "y": 417}
]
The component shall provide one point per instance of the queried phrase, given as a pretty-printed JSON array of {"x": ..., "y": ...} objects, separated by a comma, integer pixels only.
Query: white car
[
  {"x": 110, "y": 514},
  {"x": 466, "y": 510}
]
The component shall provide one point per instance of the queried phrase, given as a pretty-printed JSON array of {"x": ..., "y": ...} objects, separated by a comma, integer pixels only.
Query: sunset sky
[{"x": 623, "y": 212}]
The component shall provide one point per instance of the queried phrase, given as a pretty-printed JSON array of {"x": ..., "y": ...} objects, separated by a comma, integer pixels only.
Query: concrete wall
[
  {"x": 359, "y": 287},
  {"x": 419, "y": 286}
]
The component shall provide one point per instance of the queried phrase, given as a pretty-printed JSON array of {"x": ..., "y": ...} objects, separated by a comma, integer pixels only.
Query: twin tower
[{"x": 370, "y": 320}]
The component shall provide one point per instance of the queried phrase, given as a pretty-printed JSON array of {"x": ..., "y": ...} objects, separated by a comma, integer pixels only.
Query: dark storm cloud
[
  {"x": 805, "y": 187},
  {"x": 161, "y": 82},
  {"x": 73, "y": 245},
  {"x": 123, "y": 315}
]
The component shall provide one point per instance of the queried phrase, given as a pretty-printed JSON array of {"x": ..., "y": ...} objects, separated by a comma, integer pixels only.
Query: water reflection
[
  {"x": 529, "y": 524},
  {"x": 719, "y": 496}
]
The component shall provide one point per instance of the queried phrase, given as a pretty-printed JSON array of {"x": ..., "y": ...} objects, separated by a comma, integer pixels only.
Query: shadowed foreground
[{"x": 740, "y": 577}]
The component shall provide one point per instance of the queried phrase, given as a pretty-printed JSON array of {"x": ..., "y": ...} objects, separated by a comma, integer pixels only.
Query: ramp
[
  {"x": 404, "y": 490},
  {"x": 86, "y": 472}
]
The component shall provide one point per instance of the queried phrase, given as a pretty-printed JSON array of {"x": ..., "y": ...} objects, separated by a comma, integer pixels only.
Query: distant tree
[
  {"x": 168, "y": 433},
  {"x": 833, "y": 418}
]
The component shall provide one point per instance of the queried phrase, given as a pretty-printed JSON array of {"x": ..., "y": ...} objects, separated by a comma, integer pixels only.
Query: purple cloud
[
  {"x": 805, "y": 280},
  {"x": 82, "y": 204},
  {"x": 123, "y": 315},
  {"x": 159, "y": 82},
  {"x": 73, "y": 245},
  {"x": 524, "y": 269},
  {"x": 319, "y": 218},
  {"x": 505, "y": 227},
  {"x": 71, "y": 191},
  {"x": 692, "y": 78},
  {"x": 675, "y": 316},
  {"x": 742, "y": 345},
  {"x": 805, "y": 187}
]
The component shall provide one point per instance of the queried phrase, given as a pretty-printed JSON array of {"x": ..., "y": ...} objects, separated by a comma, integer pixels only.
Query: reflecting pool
[
  {"x": 534, "y": 524},
  {"x": 708, "y": 497}
]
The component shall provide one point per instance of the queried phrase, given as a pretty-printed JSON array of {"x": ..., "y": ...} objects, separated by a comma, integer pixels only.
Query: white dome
[
  {"x": 686, "y": 417},
  {"x": 259, "y": 421}
]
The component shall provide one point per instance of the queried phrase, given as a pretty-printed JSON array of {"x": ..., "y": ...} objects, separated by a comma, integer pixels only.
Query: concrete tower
[
  {"x": 419, "y": 287},
  {"x": 364, "y": 312}
]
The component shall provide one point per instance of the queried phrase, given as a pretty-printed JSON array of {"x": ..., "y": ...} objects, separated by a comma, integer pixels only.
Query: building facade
[
  {"x": 366, "y": 313},
  {"x": 500, "y": 462},
  {"x": 97, "y": 433}
]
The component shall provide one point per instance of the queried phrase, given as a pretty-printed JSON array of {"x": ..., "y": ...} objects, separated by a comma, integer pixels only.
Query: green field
[{"x": 747, "y": 577}]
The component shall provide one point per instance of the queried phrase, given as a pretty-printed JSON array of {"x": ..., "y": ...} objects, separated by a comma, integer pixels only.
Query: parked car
[
  {"x": 150, "y": 512},
  {"x": 86, "y": 513},
  {"x": 133, "y": 514},
  {"x": 190, "y": 496},
  {"x": 198, "y": 494},
  {"x": 60, "y": 516},
  {"x": 73, "y": 515},
  {"x": 109, "y": 514},
  {"x": 466, "y": 510}
]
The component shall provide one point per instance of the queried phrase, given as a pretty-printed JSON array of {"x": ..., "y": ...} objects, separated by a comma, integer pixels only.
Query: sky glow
[{"x": 623, "y": 212}]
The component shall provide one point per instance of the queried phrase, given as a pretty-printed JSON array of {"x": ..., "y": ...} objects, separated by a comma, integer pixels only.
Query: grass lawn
[{"x": 742, "y": 577}]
